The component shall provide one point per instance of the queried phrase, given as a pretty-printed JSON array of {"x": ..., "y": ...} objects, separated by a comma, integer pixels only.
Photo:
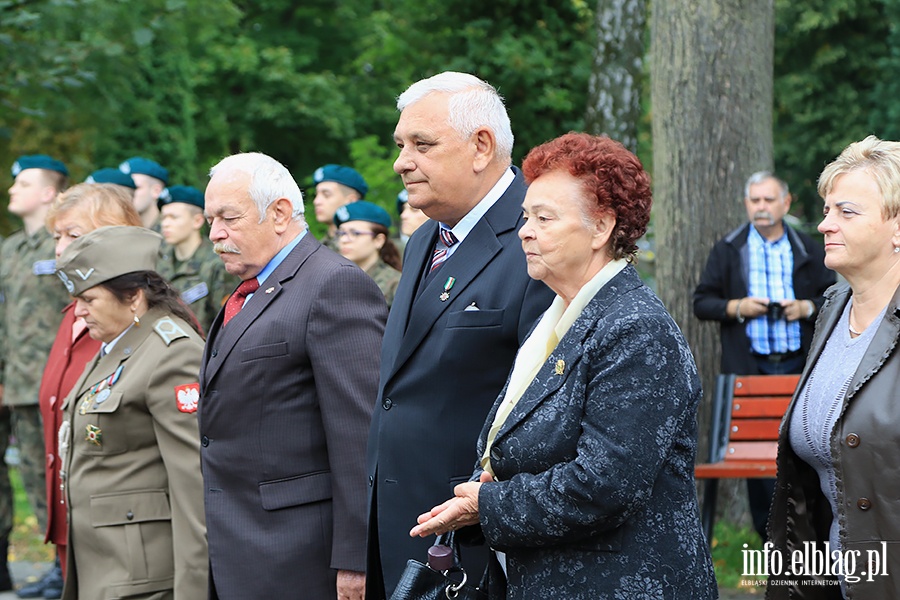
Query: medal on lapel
[
  {"x": 560, "y": 367},
  {"x": 448, "y": 285},
  {"x": 100, "y": 392}
]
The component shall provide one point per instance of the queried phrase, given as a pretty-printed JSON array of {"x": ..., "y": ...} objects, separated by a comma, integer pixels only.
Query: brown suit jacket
[{"x": 288, "y": 389}]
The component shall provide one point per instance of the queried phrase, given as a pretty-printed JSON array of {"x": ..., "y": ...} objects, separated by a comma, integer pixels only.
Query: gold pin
[{"x": 560, "y": 366}]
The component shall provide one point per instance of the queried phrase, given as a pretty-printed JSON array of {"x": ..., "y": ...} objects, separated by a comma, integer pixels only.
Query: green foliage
[
  {"x": 835, "y": 82},
  {"x": 728, "y": 544}
]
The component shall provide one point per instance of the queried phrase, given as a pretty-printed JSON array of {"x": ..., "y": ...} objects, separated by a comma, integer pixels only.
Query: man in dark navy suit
[{"x": 464, "y": 305}]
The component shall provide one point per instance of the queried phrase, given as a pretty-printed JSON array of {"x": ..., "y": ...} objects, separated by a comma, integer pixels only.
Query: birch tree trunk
[
  {"x": 711, "y": 91},
  {"x": 614, "y": 102}
]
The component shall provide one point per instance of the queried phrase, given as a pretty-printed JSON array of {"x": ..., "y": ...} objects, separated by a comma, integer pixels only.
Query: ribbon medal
[
  {"x": 93, "y": 435},
  {"x": 100, "y": 392},
  {"x": 448, "y": 285}
]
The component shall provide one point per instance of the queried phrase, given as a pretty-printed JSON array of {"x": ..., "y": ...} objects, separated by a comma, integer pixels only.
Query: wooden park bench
[{"x": 743, "y": 441}]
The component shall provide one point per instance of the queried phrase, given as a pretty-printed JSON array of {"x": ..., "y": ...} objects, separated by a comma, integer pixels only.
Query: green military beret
[
  {"x": 38, "y": 161},
  {"x": 144, "y": 166},
  {"x": 181, "y": 193},
  {"x": 111, "y": 176},
  {"x": 106, "y": 253},
  {"x": 343, "y": 175},
  {"x": 362, "y": 211}
]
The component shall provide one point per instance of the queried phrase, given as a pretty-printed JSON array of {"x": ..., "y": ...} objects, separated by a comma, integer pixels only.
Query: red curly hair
[{"x": 613, "y": 179}]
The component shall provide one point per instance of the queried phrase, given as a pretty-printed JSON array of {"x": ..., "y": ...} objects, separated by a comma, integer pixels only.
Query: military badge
[
  {"x": 94, "y": 435},
  {"x": 187, "y": 396}
]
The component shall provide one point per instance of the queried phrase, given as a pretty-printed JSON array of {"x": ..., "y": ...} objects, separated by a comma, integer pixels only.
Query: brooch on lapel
[
  {"x": 93, "y": 434},
  {"x": 448, "y": 285},
  {"x": 560, "y": 366}
]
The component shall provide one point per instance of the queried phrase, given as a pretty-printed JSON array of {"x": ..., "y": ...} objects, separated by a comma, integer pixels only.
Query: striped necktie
[{"x": 446, "y": 240}]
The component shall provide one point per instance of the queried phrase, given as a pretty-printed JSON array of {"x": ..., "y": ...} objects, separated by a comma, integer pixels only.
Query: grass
[
  {"x": 26, "y": 541},
  {"x": 728, "y": 558}
]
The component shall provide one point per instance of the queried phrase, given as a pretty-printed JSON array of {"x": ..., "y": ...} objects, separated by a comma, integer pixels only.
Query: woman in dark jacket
[
  {"x": 837, "y": 494},
  {"x": 585, "y": 483}
]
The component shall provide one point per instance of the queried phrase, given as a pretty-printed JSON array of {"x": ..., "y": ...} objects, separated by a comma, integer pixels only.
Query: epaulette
[{"x": 169, "y": 330}]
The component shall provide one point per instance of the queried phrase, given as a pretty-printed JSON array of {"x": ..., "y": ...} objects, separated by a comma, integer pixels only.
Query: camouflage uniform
[
  {"x": 202, "y": 280},
  {"x": 33, "y": 299},
  {"x": 387, "y": 278},
  {"x": 331, "y": 242}
]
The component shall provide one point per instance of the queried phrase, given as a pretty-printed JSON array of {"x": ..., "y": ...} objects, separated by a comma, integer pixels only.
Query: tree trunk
[
  {"x": 614, "y": 102},
  {"x": 711, "y": 90}
]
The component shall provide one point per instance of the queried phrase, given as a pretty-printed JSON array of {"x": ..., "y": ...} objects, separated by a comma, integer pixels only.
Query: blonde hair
[
  {"x": 879, "y": 159},
  {"x": 102, "y": 203}
]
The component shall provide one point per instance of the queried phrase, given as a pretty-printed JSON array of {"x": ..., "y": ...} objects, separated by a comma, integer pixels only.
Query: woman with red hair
[{"x": 585, "y": 483}]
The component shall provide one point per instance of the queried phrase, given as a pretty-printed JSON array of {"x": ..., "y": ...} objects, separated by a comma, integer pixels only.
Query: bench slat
[
  {"x": 765, "y": 385},
  {"x": 747, "y": 408},
  {"x": 754, "y": 429},
  {"x": 736, "y": 469}
]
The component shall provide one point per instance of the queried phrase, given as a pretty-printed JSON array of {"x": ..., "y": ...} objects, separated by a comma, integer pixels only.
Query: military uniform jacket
[
  {"x": 288, "y": 389},
  {"x": 202, "y": 280},
  {"x": 133, "y": 484},
  {"x": 33, "y": 299},
  {"x": 387, "y": 278}
]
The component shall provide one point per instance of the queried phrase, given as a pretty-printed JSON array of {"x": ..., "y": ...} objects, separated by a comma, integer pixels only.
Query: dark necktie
[{"x": 236, "y": 300}]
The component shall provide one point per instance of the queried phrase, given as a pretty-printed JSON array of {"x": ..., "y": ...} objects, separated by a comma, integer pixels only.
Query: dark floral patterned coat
[{"x": 595, "y": 495}]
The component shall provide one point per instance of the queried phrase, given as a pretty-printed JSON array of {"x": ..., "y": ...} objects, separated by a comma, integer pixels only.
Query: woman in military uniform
[
  {"x": 77, "y": 211},
  {"x": 363, "y": 238},
  {"x": 129, "y": 442}
]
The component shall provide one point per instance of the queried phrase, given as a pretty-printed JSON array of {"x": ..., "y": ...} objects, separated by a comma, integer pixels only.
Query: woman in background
[{"x": 362, "y": 233}]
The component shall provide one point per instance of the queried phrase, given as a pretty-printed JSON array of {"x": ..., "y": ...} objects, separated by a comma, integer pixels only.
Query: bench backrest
[{"x": 750, "y": 409}]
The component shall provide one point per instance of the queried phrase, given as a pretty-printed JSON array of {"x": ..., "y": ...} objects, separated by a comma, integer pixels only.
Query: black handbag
[{"x": 442, "y": 578}]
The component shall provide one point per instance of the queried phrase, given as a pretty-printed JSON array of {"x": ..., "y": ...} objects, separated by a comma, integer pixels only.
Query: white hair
[
  {"x": 760, "y": 177},
  {"x": 473, "y": 103},
  {"x": 269, "y": 181}
]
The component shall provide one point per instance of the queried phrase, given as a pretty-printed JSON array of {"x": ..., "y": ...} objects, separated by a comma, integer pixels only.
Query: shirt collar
[
  {"x": 279, "y": 258},
  {"x": 107, "y": 348},
  {"x": 468, "y": 222}
]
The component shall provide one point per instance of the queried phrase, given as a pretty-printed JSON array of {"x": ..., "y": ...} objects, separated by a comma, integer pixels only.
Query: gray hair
[
  {"x": 473, "y": 103},
  {"x": 761, "y": 176},
  {"x": 269, "y": 181}
]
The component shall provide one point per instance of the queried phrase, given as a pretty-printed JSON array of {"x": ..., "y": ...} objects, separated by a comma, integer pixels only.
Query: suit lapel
[
  {"x": 419, "y": 313},
  {"x": 224, "y": 339}
]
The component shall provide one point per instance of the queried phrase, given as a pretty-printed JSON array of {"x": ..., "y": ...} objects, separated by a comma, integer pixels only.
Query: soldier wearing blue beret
[
  {"x": 362, "y": 231},
  {"x": 336, "y": 185},
  {"x": 151, "y": 179},
  {"x": 188, "y": 260},
  {"x": 115, "y": 177},
  {"x": 30, "y": 313}
]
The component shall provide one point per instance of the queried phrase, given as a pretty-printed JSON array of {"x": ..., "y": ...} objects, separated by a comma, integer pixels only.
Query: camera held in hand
[{"x": 776, "y": 311}]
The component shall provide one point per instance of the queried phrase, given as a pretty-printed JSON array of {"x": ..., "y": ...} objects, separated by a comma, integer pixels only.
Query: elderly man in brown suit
[{"x": 288, "y": 384}]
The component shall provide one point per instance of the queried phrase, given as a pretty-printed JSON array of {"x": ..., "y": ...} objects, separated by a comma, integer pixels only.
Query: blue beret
[
  {"x": 38, "y": 161},
  {"x": 111, "y": 176},
  {"x": 343, "y": 175},
  {"x": 181, "y": 193},
  {"x": 362, "y": 211},
  {"x": 402, "y": 198},
  {"x": 144, "y": 166}
]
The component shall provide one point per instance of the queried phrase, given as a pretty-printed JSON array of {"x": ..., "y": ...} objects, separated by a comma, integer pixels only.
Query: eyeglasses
[{"x": 352, "y": 234}]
